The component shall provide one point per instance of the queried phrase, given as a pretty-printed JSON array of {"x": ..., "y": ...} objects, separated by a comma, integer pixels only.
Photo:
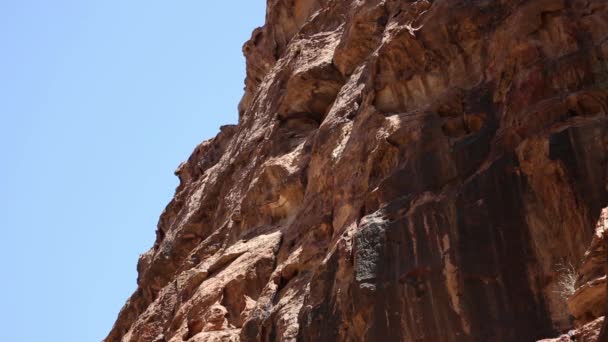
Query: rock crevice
[{"x": 401, "y": 171}]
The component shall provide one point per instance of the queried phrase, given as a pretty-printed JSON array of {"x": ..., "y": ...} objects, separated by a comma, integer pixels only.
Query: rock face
[
  {"x": 588, "y": 302},
  {"x": 587, "y": 289},
  {"x": 401, "y": 171}
]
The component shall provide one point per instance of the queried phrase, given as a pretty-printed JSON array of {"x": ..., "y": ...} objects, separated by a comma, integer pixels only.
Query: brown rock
[
  {"x": 586, "y": 333},
  {"x": 589, "y": 300},
  {"x": 401, "y": 171}
]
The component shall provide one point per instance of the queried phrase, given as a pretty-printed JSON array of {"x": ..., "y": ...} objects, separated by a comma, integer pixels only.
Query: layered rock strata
[{"x": 400, "y": 171}]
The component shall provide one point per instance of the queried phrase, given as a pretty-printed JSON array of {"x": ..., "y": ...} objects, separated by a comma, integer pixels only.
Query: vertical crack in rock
[{"x": 401, "y": 171}]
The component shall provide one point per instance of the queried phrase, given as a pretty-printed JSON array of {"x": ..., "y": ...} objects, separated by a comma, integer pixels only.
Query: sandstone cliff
[{"x": 401, "y": 171}]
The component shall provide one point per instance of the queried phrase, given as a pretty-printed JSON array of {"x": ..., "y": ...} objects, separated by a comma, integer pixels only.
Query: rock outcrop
[
  {"x": 401, "y": 171},
  {"x": 588, "y": 302},
  {"x": 586, "y": 289}
]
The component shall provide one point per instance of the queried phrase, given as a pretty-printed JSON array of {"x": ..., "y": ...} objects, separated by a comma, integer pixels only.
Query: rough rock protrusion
[{"x": 401, "y": 171}]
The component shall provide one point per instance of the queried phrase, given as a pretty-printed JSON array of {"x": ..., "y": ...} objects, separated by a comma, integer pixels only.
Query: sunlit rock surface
[{"x": 401, "y": 171}]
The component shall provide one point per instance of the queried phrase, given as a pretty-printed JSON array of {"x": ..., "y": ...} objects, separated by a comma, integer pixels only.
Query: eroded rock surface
[{"x": 401, "y": 171}]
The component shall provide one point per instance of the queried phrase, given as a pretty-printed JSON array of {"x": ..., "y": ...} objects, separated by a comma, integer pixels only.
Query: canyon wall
[{"x": 401, "y": 171}]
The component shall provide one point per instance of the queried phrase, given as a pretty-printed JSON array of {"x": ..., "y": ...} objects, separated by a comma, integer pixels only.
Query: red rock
[
  {"x": 467, "y": 139},
  {"x": 586, "y": 333}
]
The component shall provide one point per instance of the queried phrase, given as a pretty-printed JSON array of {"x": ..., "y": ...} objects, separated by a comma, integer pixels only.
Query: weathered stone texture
[{"x": 401, "y": 171}]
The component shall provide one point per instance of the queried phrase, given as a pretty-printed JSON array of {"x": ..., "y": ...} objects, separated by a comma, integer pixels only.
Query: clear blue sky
[{"x": 99, "y": 103}]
